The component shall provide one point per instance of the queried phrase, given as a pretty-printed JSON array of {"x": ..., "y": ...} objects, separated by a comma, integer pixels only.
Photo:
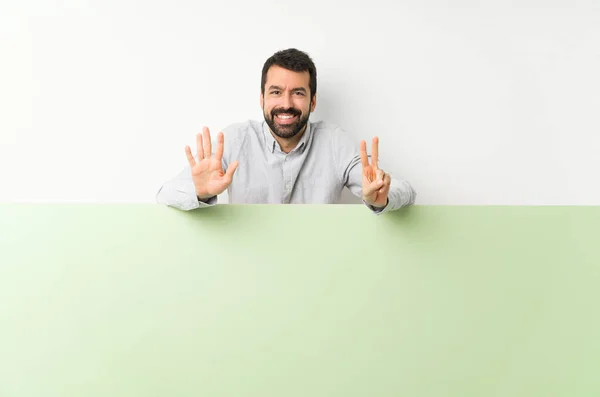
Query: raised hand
[
  {"x": 375, "y": 182},
  {"x": 207, "y": 173}
]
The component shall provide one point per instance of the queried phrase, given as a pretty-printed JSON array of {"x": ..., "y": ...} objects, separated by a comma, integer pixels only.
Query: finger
[
  {"x": 231, "y": 170},
  {"x": 387, "y": 180},
  {"x": 386, "y": 184},
  {"x": 219, "y": 150},
  {"x": 188, "y": 153},
  {"x": 207, "y": 142},
  {"x": 199, "y": 149},
  {"x": 363, "y": 154},
  {"x": 372, "y": 187},
  {"x": 375, "y": 153},
  {"x": 379, "y": 174}
]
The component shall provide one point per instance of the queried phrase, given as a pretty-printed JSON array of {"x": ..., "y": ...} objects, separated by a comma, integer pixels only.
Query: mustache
[{"x": 292, "y": 111}]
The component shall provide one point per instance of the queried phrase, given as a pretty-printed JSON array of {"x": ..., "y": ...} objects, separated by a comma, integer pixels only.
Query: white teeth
[{"x": 281, "y": 116}]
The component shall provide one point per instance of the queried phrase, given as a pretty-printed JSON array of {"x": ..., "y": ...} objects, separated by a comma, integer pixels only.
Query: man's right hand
[{"x": 207, "y": 173}]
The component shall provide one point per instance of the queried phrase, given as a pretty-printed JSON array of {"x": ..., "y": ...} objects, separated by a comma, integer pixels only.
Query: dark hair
[{"x": 294, "y": 60}]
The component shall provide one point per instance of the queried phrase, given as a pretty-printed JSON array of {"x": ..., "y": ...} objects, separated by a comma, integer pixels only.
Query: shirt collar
[{"x": 271, "y": 143}]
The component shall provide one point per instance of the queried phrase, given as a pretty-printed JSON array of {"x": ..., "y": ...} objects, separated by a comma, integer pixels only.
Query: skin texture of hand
[
  {"x": 207, "y": 173},
  {"x": 375, "y": 182}
]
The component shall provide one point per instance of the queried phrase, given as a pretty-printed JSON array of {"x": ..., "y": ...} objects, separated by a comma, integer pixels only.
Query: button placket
[{"x": 287, "y": 180}]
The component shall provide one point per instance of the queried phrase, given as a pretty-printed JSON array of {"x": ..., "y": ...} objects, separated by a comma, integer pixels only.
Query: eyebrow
[{"x": 275, "y": 87}]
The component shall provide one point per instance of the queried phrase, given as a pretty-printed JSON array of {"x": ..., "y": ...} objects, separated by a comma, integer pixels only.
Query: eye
[
  {"x": 300, "y": 93},
  {"x": 275, "y": 92}
]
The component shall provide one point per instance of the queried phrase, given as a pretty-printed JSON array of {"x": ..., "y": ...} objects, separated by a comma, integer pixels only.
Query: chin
[{"x": 286, "y": 133}]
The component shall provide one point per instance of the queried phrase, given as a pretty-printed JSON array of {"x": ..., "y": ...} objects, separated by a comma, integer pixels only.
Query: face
[{"x": 287, "y": 101}]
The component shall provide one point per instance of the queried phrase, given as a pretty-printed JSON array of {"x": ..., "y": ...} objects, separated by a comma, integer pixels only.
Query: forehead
[{"x": 276, "y": 75}]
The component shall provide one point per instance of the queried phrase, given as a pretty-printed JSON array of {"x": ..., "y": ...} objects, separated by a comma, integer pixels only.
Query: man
[{"x": 285, "y": 159}]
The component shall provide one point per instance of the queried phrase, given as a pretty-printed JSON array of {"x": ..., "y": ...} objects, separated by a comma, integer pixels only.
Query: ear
[
  {"x": 262, "y": 100},
  {"x": 313, "y": 103}
]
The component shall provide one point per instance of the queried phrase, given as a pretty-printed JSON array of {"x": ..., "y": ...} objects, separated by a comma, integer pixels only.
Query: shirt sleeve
[
  {"x": 401, "y": 193},
  {"x": 180, "y": 193}
]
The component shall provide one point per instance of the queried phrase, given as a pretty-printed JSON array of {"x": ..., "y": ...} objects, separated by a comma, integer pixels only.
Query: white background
[{"x": 475, "y": 102}]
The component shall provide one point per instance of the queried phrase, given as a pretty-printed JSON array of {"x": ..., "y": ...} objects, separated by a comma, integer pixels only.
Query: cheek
[
  {"x": 270, "y": 105},
  {"x": 302, "y": 104}
]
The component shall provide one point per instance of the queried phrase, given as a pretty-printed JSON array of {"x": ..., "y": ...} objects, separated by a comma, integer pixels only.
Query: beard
[{"x": 286, "y": 131}]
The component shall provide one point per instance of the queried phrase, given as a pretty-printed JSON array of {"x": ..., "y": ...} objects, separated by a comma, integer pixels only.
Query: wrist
[
  {"x": 380, "y": 207},
  {"x": 204, "y": 197}
]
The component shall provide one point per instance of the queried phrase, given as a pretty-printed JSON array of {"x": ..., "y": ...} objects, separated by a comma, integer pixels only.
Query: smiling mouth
[{"x": 286, "y": 118}]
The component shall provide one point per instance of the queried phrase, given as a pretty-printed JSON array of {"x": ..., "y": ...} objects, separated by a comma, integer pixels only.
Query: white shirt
[{"x": 325, "y": 161}]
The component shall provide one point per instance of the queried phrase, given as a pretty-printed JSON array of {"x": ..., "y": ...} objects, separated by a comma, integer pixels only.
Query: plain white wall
[{"x": 475, "y": 102}]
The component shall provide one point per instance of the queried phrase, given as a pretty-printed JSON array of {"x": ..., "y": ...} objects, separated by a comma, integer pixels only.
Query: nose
[{"x": 287, "y": 101}]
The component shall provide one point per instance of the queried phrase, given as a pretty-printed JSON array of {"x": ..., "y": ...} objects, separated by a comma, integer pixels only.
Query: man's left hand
[{"x": 375, "y": 182}]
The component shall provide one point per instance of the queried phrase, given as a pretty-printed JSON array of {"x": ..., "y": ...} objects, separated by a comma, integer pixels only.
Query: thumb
[
  {"x": 372, "y": 187},
  {"x": 231, "y": 170}
]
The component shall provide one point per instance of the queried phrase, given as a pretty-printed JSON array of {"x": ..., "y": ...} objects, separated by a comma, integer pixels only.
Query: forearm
[
  {"x": 180, "y": 193},
  {"x": 401, "y": 194}
]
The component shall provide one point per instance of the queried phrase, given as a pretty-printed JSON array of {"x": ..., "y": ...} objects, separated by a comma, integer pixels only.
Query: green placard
[{"x": 274, "y": 300}]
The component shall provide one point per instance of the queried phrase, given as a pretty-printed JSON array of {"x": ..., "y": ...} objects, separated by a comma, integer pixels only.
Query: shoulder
[
  {"x": 243, "y": 128},
  {"x": 324, "y": 128},
  {"x": 333, "y": 134},
  {"x": 237, "y": 133}
]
